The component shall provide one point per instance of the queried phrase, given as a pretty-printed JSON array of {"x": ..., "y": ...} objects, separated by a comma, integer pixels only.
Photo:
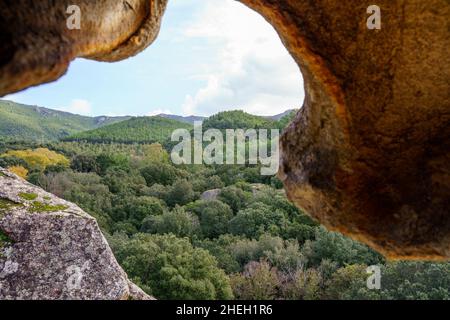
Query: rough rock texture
[
  {"x": 37, "y": 46},
  {"x": 51, "y": 249},
  {"x": 368, "y": 154}
]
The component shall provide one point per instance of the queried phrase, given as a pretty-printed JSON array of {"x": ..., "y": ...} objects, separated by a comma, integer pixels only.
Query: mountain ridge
[
  {"x": 36, "y": 123},
  {"x": 26, "y": 122}
]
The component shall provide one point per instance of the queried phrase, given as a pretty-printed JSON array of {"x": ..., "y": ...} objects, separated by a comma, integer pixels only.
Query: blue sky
[{"x": 211, "y": 55}]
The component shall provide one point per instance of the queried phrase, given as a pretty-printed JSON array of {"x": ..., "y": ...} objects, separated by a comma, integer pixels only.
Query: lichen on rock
[{"x": 56, "y": 252}]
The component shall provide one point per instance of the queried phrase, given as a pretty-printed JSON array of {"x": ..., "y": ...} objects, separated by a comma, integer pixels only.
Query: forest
[{"x": 210, "y": 232}]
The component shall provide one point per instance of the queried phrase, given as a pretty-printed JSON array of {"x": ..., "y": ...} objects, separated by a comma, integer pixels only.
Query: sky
[{"x": 210, "y": 56}]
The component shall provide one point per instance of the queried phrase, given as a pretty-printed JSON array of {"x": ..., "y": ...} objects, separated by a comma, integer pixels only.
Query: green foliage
[
  {"x": 257, "y": 219},
  {"x": 160, "y": 173},
  {"x": 214, "y": 217},
  {"x": 22, "y": 122},
  {"x": 134, "y": 130},
  {"x": 170, "y": 268},
  {"x": 235, "y": 197},
  {"x": 189, "y": 248},
  {"x": 259, "y": 281},
  {"x": 135, "y": 209},
  {"x": 10, "y": 161},
  {"x": 220, "y": 248},
  {"x": 178, "y": 222},
  {"x": 415, "y": 280},
  {"x": 287, "y": 119},
  {"x": 116, "y": 161},
  {"x": 181, "y": 193},
  {"x": 302, "y": 284},
  {"x": 85, "y": 163},
  {"x": 349, "y": 283},
  {"x": 336, "y": 247},
  {"x": 237, "y": 120}
]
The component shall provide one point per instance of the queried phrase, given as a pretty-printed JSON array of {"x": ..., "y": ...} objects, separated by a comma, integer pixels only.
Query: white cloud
[
  {"x": 78, "y": 106},
  {"x": 252, "y": 71}
]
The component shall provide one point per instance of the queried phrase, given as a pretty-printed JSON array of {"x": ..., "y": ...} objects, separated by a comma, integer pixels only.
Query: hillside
[
  {"x": 280, "y": 116},
  {"x": 23, "y": 122},
  {"x": 135, "y": 130},
  {"x": 188, "y": 119},
  {"x": 237, "y": 120},
  {"x": 33, "y": 123}
]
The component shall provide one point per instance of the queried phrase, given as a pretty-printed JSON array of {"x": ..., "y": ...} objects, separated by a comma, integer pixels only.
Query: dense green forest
[
  {"x": 135, "y": 130},
  {"x": 210, "y": 232},
  {"x": 32, "y": 123}
]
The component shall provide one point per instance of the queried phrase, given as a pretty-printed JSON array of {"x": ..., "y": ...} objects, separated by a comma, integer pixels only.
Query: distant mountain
[
  {"x": 134, "y": 130},
  {"x": 237, "y": 119},
  {"x": 23, "y": 122},
  {"x": 278, "y": 117},
  {"x": 190, "y": 119}
]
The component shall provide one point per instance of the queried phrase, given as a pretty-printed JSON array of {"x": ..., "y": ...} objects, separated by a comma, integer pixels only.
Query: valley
[{"x": 248, "y": 241}]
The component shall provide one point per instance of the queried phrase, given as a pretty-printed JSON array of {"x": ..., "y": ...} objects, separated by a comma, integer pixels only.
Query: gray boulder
[{"x": 51, "y": 249}]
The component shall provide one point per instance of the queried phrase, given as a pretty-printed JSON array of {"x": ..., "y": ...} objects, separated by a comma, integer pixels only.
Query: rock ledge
[{"x": 51, "y": 249}]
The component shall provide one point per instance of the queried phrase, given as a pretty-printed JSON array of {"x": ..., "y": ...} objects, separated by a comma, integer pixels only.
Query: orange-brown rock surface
[
  {"x": 37, "y": 46},
  {"x": 367, "y": 155}
]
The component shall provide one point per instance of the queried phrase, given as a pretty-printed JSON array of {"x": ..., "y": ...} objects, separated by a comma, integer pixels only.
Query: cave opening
[{"x": 210, "y": 56}]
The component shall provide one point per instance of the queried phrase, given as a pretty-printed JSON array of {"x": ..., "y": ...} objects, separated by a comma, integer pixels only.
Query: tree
[
  {"x": 256, "y": 220},
  {"x": 159, "y": 173},
  {"x": 336, "y": 247},
  {"x": 285, "y": 255},
  {"x": 125, "y": 183},
  {"x": 350, "y": 283},
  {"x": 301, "y": 284},
  {"x": 214, "y": 217},
  {"x": 106, "y": 161},
  {"x": 259, "y": 281},
  {"x": 170, "y": 268},
  {"x": 19, "y": 170},
  {"x": 220, "y": 248},
  {"x": 178, "y": 222},
  {"x": 135, "y": 209},
  {"x": 180, "y": 193},
  {"x": 85, "y": 163},
  {"x": 235, "y": 197},
  {"x": 202, "y": 184},
  {"x": 415, "y": 280}
]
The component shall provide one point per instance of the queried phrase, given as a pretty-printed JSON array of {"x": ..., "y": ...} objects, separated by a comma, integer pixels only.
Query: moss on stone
[
  {"x": 28, "y": 196},
  {"x": 5, "y": 241},
  {"x": 39, "y": 207},
  {"x": 6, "y": 204},
  {"x": 47, "y": 198},
  {"x": 2, "y": 174}
]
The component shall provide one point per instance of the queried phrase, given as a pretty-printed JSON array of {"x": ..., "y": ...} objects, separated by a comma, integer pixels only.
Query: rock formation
[
  {"x": 37, "y": 45},
  {"x": 368, "y": 154},
  {"x": 50, "y": 249}
]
